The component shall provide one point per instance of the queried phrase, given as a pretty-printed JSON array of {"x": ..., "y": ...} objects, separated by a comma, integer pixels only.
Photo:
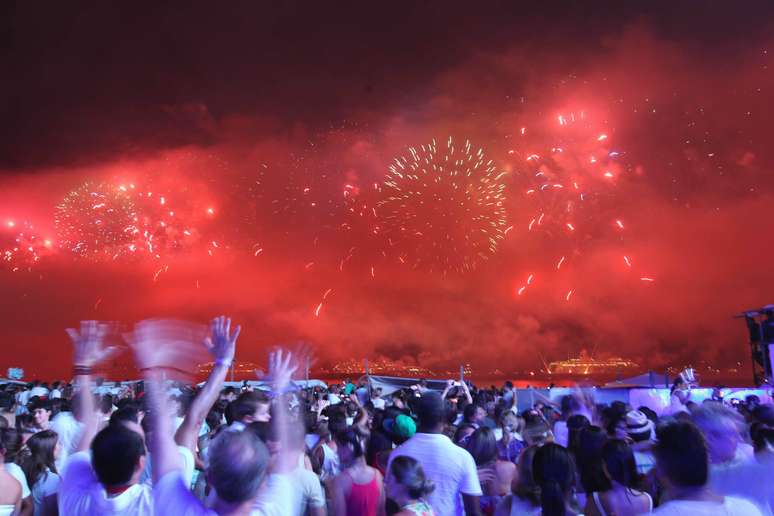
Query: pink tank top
[{"x": 363, "y": 499}]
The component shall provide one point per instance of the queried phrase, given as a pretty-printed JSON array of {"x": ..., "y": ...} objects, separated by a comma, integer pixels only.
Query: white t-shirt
[
  {"x": 730, "y": 507},
  {"x": 80, "y": 493},
  {"x": 146, "y": 477},
  {"x": 55, "y": 394},
  {"x": 171, "y": 496},
  {"x": 308, "y": 491},
  {"x": 16, "y": 472},
  {"x": 744, "y": 479},
  {"x": 69, "y": 431},
  {"x": 379, "y": 403},
  {"x": 46, "y": 485},
  {"x": 450, "y": 467},
  {"x": 333, "y": 399}
]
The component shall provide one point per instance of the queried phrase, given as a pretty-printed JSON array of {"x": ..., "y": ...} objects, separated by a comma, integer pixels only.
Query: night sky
[{"x": 269, "y": 130}]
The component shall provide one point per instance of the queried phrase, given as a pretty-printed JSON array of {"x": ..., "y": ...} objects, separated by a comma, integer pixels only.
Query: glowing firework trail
[
  {"x": 569, "y": 186},
  {"x": 568, "y": 296},
  {"x": 443, "y": 206},
  {"x": 317, "y": 310}
]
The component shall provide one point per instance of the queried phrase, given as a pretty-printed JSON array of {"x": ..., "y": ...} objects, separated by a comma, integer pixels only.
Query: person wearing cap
[
  {"x": 401, "y": 428},
  {"x": 641, "y": 431},
  {"x": 451, "y": 468}
]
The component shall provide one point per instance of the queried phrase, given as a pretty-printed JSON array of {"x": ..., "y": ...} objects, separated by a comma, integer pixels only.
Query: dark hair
[
  {"x": 483, "y": 446},
  {"x": 588, "y": 457},
  {"x": 762, "y": 436},
  {"x": 470, "y": 411},
  {"x": 354, "y": 439},
  {"x": 575, "y": 424},
  {"x": 618, "y": 458},
  {"x": 246, "y": 404},
  {"x": 105, "y": 403},
  {"x": 39, "y": 456},
  {"x": 10, "y": 443},
  {"x": 554, "y": 471},
  {"x": 431, "y": 410},
  {"x": 569, "y": 404},
  {"x": 115, "y": 453},
  {"x": 128, "y": 412},
  {"x": 526, "y": 488},
  {"x": 677, "y": 382},
  {"x": 408, "y": 472},
  {"x": 681, "y": 454},
  {"x": 237, "y": 465}
]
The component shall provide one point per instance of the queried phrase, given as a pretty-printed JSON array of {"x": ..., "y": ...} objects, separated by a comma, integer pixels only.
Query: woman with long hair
[
  {"x": 358, "y": 490},
  {"x": 525, "y": 494},
  {"x": 624, "y": 495},
  {"x": 38, "y": 464},
  {"x": 407, "y": 486},
  {"x": 494, "y": 474},
  {"x": 554, "y": 470}
]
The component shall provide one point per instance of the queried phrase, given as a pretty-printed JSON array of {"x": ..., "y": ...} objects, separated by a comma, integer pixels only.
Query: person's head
[
  {"x": 524, "y": 485},
  {"x": 250, "y": 407},
  {"x": 41, "y": 413},
  {"x": 678, "y": 384},
  {"x": 406, "y": 480},
  {"x": 351, "y": 445},
  {"x": 554, "y": 471},
  {"x": 682, "y": 459},
  {"x": 397, "y": 400},
  {"x": 10, "y": 444},
  {"x": 376, "y": 393},
  {"x": 537, "y": 432},
  {"x": 482, "y": 446},
  {"x": 431, "y": 410},
  {"x": 619, "y": 464},
  {"x": 588, "y": 456},
  {"x": 42, "y": 451},
  {"x": 575, "y": 424},
  {"x": 238, "y": 462},
  {"x": 720, "y": 426},
  {"x": 474, "y": 414},
  {"x": 118, "y": 454},
  {"x": 638, "y": 427},
  {"x": 463, "y": 434},
  {"x": 127, "y": 412},
  {"x": 229, "y": 394}
]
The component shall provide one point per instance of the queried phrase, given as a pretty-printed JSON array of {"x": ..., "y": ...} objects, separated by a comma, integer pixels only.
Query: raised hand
[
  {"x": 167, "y": 344},
  {"x": 222, "y": 343},
  {"x": 281, "y": 369},
  {"x": 88, "y": 343}
]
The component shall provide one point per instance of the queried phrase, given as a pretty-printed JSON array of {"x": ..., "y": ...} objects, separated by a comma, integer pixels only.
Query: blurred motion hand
[
  {"x": 221, "y": 343},
  {"x": 88, "y": 343},
  {"x": 168, "y": 344}
]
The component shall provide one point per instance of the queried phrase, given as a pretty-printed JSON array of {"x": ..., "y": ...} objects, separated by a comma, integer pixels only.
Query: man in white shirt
[
  {"x": 376, "y": 399},
  {"x": 682, "y": 464},
  {"x": 451, "y": 468},
  {"x": 38, "y": 390},
  {"x": 107, "y": 481}
]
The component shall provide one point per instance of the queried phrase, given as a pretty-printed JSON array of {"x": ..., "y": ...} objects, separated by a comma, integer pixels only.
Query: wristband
[{"x": 223, "y": 362}]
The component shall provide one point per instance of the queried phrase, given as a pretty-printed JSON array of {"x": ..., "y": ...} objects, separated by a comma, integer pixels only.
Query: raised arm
[
  {"x": 160, "y": 346},
  {"x": 222, "y": 346},
  {"x": 281, "y": 369},
  {"x": 88, "y": 351}
]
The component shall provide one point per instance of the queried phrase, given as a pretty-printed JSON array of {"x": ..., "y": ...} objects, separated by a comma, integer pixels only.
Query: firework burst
[{"x": 443, "y": 207}]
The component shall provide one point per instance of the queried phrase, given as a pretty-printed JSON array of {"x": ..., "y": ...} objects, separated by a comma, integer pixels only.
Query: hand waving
[
  {"x": 88, "y": 343},
  {"x": 281, "y": 369},
  {"x": 222, "y": 343}
]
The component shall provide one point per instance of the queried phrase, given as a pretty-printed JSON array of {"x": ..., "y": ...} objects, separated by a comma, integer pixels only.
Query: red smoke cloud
[{"x": 694, "y": 194}]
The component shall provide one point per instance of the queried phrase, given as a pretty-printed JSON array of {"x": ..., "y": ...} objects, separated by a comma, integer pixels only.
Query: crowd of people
[{"x": 162, "y": 447}]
